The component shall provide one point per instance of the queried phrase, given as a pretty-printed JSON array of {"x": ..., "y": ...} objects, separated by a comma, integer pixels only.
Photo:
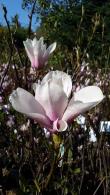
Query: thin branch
[
  {"x": 12, "y": 44},
  {"x": 99, "y": 185},
  {"x": 50, "y": 173},
  {"x": 8, "y": 26},
  {"x": 30, "y": 17}
]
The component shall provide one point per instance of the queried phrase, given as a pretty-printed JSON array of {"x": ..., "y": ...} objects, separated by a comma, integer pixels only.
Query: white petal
[
  {"x": 52, "y": 98},
  {"x": 89, "y": 94},
  {"x": 29, "y": 49},
  {"x": 35, "y": 42},
  {"x": 29, "y": 42},
  {"x": 24, "y": 102},
  {"x": 38, "y": 45},
  {"x": 42, "y": 50},
  {"x": 41, "y": 119},
  {"x": 34, "y": 87},
  {"x": 51, "y": 48},
  {"x": 75, "y": 108},
  {"x": 42, "y": 46},
  {"x": 62, "y": 79},
  {"x": 83, "y": 101},
  {"x": 41, "y": 42}
]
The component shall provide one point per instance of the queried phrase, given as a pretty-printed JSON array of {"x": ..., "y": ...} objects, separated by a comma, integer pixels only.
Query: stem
[
  {"x": 99, "y": 185},
  {"x": 51, "y": 170}
]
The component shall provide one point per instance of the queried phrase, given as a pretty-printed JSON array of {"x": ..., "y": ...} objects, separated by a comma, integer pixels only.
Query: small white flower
[
  {"x": 105, "y": 126},
  {"x": 92, "y": 136}
]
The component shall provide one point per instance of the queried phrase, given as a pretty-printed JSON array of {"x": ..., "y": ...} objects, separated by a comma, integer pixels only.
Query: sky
[{"x": 14, "y": 7}]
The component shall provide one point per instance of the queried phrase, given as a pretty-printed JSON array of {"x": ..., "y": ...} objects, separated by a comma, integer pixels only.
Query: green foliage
[
  {"x": 76, "y": 24},
  {"x": 19, "y": 35}
]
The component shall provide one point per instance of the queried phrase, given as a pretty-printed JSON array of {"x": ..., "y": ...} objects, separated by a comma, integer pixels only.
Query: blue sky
[{"x": 14, "y": 7}]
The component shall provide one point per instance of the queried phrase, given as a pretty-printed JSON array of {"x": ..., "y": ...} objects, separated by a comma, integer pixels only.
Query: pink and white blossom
[
  {"x": 54, "y": 106},
  {"x": 37, "y": 52}
]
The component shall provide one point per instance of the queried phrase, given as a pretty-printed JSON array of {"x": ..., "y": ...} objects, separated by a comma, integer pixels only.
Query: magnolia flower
[
  {"x": 37, "y": 52},
  {"x": 52, "y": 107},
  {"x": 92, "y": 136}
]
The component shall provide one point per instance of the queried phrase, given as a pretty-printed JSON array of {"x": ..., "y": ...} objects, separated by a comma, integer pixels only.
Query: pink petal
[
  {"x": 82, "y": 101},
  {"x": 52, "y": 98},
  {"x": 89, "y": 94},
  {"x": 29, "y": 49},
  {"x": 49, "y": 50},
  {"x": 60, "y": 125},
  {"x": 35, "y": 62},
  {"x": 63, "y": 79},
  {"x": 24, "y": 102},
  {"x": 75, "y": 108}
]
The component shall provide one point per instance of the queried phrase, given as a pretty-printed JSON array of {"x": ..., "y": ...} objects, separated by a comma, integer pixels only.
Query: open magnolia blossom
[
  {"x": 52, "y": 107},
  {"x": 37, "y": 52}
]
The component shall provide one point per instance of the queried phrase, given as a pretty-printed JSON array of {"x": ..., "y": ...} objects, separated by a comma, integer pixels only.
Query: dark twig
[
  {"x": 12, "y": 43},
  {"x": 99, "y": 186},
  {"x": 8, "y": 26},
  {"x": 11, "y": 36},
  {"x": 30, "y": 17},
  {"x": 81, "y": 183},
  {"x": 51, "y": 171}
]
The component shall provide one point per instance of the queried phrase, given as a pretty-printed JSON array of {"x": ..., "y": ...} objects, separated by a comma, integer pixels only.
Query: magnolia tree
[
  {"x": 51, "y": 139},
  {"x": 54, "y": 109}
]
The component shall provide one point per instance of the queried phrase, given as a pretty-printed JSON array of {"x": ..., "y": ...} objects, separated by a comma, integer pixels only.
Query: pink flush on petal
[
  {"x": 35, "y": 63},
  {"x": 53, "y": 116}
]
